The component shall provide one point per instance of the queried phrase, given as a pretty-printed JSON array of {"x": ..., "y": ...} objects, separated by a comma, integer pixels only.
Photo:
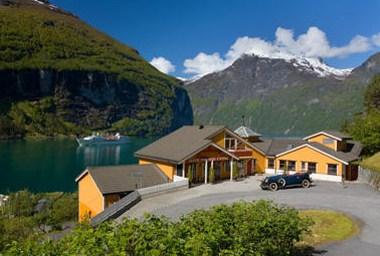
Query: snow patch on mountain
[
  {"x": 50, "y": 6},
  {"x": 319, "y": 67},
  {"x": 308, "y": 64}
]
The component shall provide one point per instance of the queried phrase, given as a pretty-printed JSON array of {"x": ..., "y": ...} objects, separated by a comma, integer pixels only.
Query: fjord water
[{"x": 53, "y": 164}]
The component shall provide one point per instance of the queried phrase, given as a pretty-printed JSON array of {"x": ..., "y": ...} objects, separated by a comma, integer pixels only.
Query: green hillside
[
  {"x": 280, "y": 99},
  {"x": 290, "y": 111},
  {"x": 33, "y": 36},
  {"x": 372, "y": 163},
  {"x": 61, "y": 76}
]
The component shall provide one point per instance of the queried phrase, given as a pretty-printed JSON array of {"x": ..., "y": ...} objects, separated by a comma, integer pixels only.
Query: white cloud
[
  {"x": 376, "y": 39},
  {"x": 162, "y": 64},
  {"x": 204, "y": 63},
  {"x": 312, "y": 44}
]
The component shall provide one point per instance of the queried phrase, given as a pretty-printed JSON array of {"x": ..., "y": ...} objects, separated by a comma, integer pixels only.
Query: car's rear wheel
[
  {"x": 282, "y": 183},
  {"x": 273, "y": 187},
  {"x": 305, "y": 183}
]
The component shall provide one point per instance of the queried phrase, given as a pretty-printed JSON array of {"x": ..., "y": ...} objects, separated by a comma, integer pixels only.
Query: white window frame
[{"x": 229, "y": 140}]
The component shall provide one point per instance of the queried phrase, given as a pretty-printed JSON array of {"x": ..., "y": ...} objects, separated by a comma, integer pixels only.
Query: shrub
[
  {"x": 243, "y": 228},
  {"x": 190, "y": 175},
  {"x": 235, "y": 171},
  {"x": 20, "y": 222},
  {"x": 211, "y": 175}
]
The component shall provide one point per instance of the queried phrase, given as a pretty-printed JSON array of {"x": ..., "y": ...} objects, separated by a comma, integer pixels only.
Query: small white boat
[{"x": 96, "y": 139}]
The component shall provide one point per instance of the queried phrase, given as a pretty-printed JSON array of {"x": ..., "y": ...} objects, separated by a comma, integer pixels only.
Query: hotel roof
[
  {"x": 181, "y": 144},
  {"x": 275, "y": 147},
  {"x": 124, "y": 178}
]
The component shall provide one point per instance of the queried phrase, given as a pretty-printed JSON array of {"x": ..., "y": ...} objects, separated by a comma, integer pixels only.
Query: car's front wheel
[
  {"x": 305, "y": 183},
  {"x": 273, "y": 187},
  {"x": 282, "y": 183}
]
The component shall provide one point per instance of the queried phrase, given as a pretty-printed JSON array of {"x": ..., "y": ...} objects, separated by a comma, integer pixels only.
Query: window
[
  {"x": 179, "y": 170},
  {"x": 240, "y": 145},
  {"x": 282, "y": 164},
  {"x": 230, "y": 143},
  {"x": 303, "y": 166},
  {"x": 328, "y": 141},
  {"x": 332, "y": 169},
  {"x": 271, "y": 163},
  {"x": 291, "y": 165},
  {"x": 311, "y": 167}
]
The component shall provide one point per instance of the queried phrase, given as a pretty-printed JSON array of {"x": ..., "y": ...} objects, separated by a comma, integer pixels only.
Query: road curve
[{"x": 356, "y": 200}]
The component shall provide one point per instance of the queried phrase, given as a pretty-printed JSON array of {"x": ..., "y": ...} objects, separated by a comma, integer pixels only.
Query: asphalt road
[{"x": 356, "y": 200}]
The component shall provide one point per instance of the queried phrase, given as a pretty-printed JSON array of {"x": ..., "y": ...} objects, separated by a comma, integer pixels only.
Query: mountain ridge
[{"x": 277, "y": 97}]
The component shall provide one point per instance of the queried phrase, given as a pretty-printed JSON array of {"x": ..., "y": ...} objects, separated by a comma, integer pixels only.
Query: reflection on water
[
  {"x": 53, "y": 164},
  {"x": 99, "y": 154}
]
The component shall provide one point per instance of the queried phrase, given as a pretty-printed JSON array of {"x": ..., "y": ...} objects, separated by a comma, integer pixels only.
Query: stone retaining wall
[{"x": 370, "y": 177}]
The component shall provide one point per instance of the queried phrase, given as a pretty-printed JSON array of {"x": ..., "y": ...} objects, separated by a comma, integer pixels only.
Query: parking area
[{"x": 356, "y": 200}]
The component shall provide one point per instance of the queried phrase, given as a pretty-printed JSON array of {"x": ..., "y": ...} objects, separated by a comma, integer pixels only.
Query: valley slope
[
  {"x": 281, "y": 97},
  {"x": 58, "y": 75}
]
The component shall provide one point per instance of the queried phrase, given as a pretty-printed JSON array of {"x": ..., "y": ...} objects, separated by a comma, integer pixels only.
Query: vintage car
[{"x": 282, "y": 181}]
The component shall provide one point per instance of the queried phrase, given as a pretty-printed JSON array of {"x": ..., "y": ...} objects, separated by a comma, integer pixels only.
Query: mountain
[
  {"x": 60, "y": 76},
  {"x": 366, "y": 70},
  {"x": 281, "y": 96}
]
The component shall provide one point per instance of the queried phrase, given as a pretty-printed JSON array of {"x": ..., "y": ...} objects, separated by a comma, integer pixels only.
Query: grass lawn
[
  {"x": 372, "y": 163},
  {"x": 329, "y": 226}
]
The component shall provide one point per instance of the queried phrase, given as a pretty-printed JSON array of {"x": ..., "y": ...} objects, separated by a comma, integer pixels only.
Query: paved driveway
[{"x": 357, "y": 200}]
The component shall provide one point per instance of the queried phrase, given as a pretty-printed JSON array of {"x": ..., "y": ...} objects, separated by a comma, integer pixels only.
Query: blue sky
[{"x": 180, "y": 30}]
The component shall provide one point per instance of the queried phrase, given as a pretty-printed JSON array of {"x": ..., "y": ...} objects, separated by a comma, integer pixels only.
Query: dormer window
[{"x": 230, "y": 143}]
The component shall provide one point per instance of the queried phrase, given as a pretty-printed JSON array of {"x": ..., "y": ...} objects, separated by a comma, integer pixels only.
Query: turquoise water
[{"x": 53, "y": 164}]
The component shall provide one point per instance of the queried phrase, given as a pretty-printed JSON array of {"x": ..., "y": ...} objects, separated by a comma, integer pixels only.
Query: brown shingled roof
[
  {"x": 178, "y": 145},
  {"x": 272, "y": 147},
  {"x": 125, "y": 178}
]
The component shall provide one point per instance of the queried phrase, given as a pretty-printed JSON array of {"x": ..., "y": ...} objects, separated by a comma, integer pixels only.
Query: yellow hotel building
[
  {"x": 193, "y": 151},
  {"x": 327, "y": 155}
]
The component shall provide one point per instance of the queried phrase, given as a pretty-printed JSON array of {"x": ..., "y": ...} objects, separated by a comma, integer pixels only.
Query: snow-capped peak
[
  {"x": 309, "y": 64},
  {"x": 46, "y": 3},
  {"x": 318, "y": 66}
]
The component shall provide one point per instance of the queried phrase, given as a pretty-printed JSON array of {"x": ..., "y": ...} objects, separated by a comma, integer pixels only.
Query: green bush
[
  {"x": 211, "y": 175},
  {"x": 243, "y": 228},
  {"x": 190, "y": 175},
  {"x": 235, "y": 171},
  {"x": 20, "y": 223},
  {"x": 9, "y": 129}
]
